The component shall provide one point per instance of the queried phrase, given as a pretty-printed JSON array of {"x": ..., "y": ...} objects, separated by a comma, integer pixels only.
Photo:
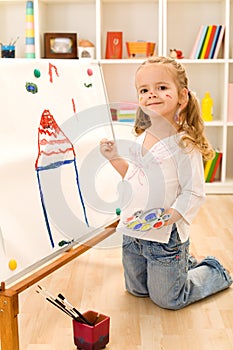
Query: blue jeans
[{"x": 168, "y": 274}]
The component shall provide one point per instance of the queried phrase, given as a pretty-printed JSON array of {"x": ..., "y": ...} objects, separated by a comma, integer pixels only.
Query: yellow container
[{"x": 207, "y": 107}]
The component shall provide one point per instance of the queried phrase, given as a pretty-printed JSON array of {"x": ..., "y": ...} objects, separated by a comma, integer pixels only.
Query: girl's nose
[{"x": 152, "y": 93}]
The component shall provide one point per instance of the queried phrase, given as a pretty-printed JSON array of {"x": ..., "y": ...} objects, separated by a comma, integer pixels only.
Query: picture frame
[{"x": 60, "y": 45}]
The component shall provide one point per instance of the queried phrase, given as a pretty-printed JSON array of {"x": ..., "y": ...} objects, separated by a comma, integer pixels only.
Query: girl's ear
[{"x": 183, "y": 98}]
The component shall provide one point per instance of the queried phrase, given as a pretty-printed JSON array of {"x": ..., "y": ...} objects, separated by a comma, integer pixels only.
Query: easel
[{"x": 9, "y": 300}]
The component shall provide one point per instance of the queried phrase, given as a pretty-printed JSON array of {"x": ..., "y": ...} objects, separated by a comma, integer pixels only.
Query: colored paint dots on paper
[
  {"x": 133, "y": 224},
  {"x": 128, "y": 220},
  {"x": 158, "y": 224},
  {"x": 145, "y": 227},
  {"x": 118, "y": 211},
  {"x": 87, "y": 85},
  {"x": 12, "y": 264},
  {"x": 137, "y": 226},
  {"x": 37, "y": 73},
  {"x": 150, "y": 217},
  {"x": 31, "y": 87},
  {"x": 166, "y": 217},
  {"x": 90, "y": 71}
]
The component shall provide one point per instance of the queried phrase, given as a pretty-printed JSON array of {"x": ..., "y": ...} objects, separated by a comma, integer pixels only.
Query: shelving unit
[{"x": 172, "y": 24}]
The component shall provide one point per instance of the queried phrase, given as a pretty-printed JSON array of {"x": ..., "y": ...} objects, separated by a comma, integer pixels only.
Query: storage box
[
  {"x": 8, "y": 51},
  {"x": 140, "y": 47},
  {"x": 92, "y": 337}
]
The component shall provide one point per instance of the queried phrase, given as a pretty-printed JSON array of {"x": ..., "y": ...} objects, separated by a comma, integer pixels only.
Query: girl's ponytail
[{"x": 191, "y": 122}]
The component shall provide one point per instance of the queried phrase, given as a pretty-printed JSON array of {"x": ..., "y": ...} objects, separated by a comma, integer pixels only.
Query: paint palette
[{"x": 150, "y": 219}]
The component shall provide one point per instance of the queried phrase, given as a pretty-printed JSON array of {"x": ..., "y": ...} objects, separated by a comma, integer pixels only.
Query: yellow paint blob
[{"x": 12, "y": 264}]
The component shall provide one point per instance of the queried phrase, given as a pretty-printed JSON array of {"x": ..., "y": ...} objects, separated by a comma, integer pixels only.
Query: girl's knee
[
  {"x": 137, "y": 293},
  {"x": 168, "y": 304},
  {"x": 136, "y": 288}
]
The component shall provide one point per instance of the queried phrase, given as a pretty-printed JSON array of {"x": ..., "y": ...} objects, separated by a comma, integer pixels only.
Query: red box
[{"x": 92, "y": 337}]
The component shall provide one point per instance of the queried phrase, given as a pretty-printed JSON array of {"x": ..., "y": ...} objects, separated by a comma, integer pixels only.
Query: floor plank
[{"x": 94, "y": 281}]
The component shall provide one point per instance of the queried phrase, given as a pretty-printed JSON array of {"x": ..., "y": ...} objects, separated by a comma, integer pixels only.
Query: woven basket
[{"x": 140, "y": 47}]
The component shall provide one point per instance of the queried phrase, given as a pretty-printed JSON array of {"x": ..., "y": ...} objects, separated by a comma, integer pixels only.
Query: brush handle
[
  {"x": 42, "y": 291},
  {"x": 83, "y": 318},
  {"x": 75, "y": 310},
  {"x": 59, "y": 307}
]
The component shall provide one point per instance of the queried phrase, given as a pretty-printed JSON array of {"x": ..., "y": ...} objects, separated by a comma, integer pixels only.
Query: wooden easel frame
[{"x": 9, "y": 298}]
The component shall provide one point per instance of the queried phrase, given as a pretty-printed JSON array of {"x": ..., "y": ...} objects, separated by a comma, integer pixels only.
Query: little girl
[{"x": 164, "y": 170}]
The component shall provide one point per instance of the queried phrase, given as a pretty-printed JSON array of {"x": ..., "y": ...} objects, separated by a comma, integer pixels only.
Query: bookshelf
[{"x": 149, "y": 20}]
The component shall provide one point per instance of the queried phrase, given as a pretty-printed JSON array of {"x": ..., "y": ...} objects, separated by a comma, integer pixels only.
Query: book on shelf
[
  {"x": 201, "y": 41},
  {"x": 197, "y": 42},
  {"x": 219, "y": 42},
  {"x": 212, "y": 166},
  {"x": 208, "y": 42},
  {"x": 205, "y": 42},
  {"x": 216, "y": 167},
  {"x": 215, "y": 40},
  {"x": 207, "y": 165}
]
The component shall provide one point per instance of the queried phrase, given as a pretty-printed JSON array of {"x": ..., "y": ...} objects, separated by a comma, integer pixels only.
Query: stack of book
[
  {"x": 208, "y": 42},
  {"x": 212, "y": 166},
  {"x": 126, "y": 112},
  {"x": 126, "y": 115}
]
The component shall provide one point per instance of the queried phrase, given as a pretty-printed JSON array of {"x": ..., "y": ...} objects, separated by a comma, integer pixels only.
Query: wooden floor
[{"x": 94, "y": 281}]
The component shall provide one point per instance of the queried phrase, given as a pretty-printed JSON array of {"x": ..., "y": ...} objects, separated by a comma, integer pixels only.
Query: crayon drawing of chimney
[{"x": 54, "y": 150}]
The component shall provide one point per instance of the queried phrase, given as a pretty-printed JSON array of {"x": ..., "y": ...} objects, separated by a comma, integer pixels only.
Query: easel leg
[{"x": 9, "y": 309}]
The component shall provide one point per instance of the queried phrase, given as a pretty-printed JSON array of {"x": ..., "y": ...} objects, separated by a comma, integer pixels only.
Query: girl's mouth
[{"x": 153, "y": 104}]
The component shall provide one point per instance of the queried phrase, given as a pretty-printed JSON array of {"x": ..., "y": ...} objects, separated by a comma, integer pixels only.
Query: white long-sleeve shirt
[{"x": 167, "y": 176}]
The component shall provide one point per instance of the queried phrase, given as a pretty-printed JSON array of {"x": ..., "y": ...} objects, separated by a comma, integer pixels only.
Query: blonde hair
[{"x": 189, "y": 119}]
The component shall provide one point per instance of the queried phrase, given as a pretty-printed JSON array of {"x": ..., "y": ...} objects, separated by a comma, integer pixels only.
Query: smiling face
[{"x": 157, "y": 91}]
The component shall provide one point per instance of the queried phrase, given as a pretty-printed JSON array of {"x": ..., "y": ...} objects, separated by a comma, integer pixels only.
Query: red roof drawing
[{"x": 54, "y": 147}]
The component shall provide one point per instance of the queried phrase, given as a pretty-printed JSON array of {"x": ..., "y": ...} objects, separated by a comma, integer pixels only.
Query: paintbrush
[
  {"x": 53, "y": 301},
  {"x": 59, "y": 304},
  {"x": 49, "y": 297},
  {"x": 71, "y": 308}
]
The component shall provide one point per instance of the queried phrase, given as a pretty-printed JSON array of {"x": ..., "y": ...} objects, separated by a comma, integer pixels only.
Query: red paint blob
[
  {"x": 158, "y": 224},
  {"x": 89, "y": 71}
]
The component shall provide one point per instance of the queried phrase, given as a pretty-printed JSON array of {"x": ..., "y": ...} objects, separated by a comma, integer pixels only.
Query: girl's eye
[
  {"x": 162, "y": 88},
  {"x": 143, "y": 91}
]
